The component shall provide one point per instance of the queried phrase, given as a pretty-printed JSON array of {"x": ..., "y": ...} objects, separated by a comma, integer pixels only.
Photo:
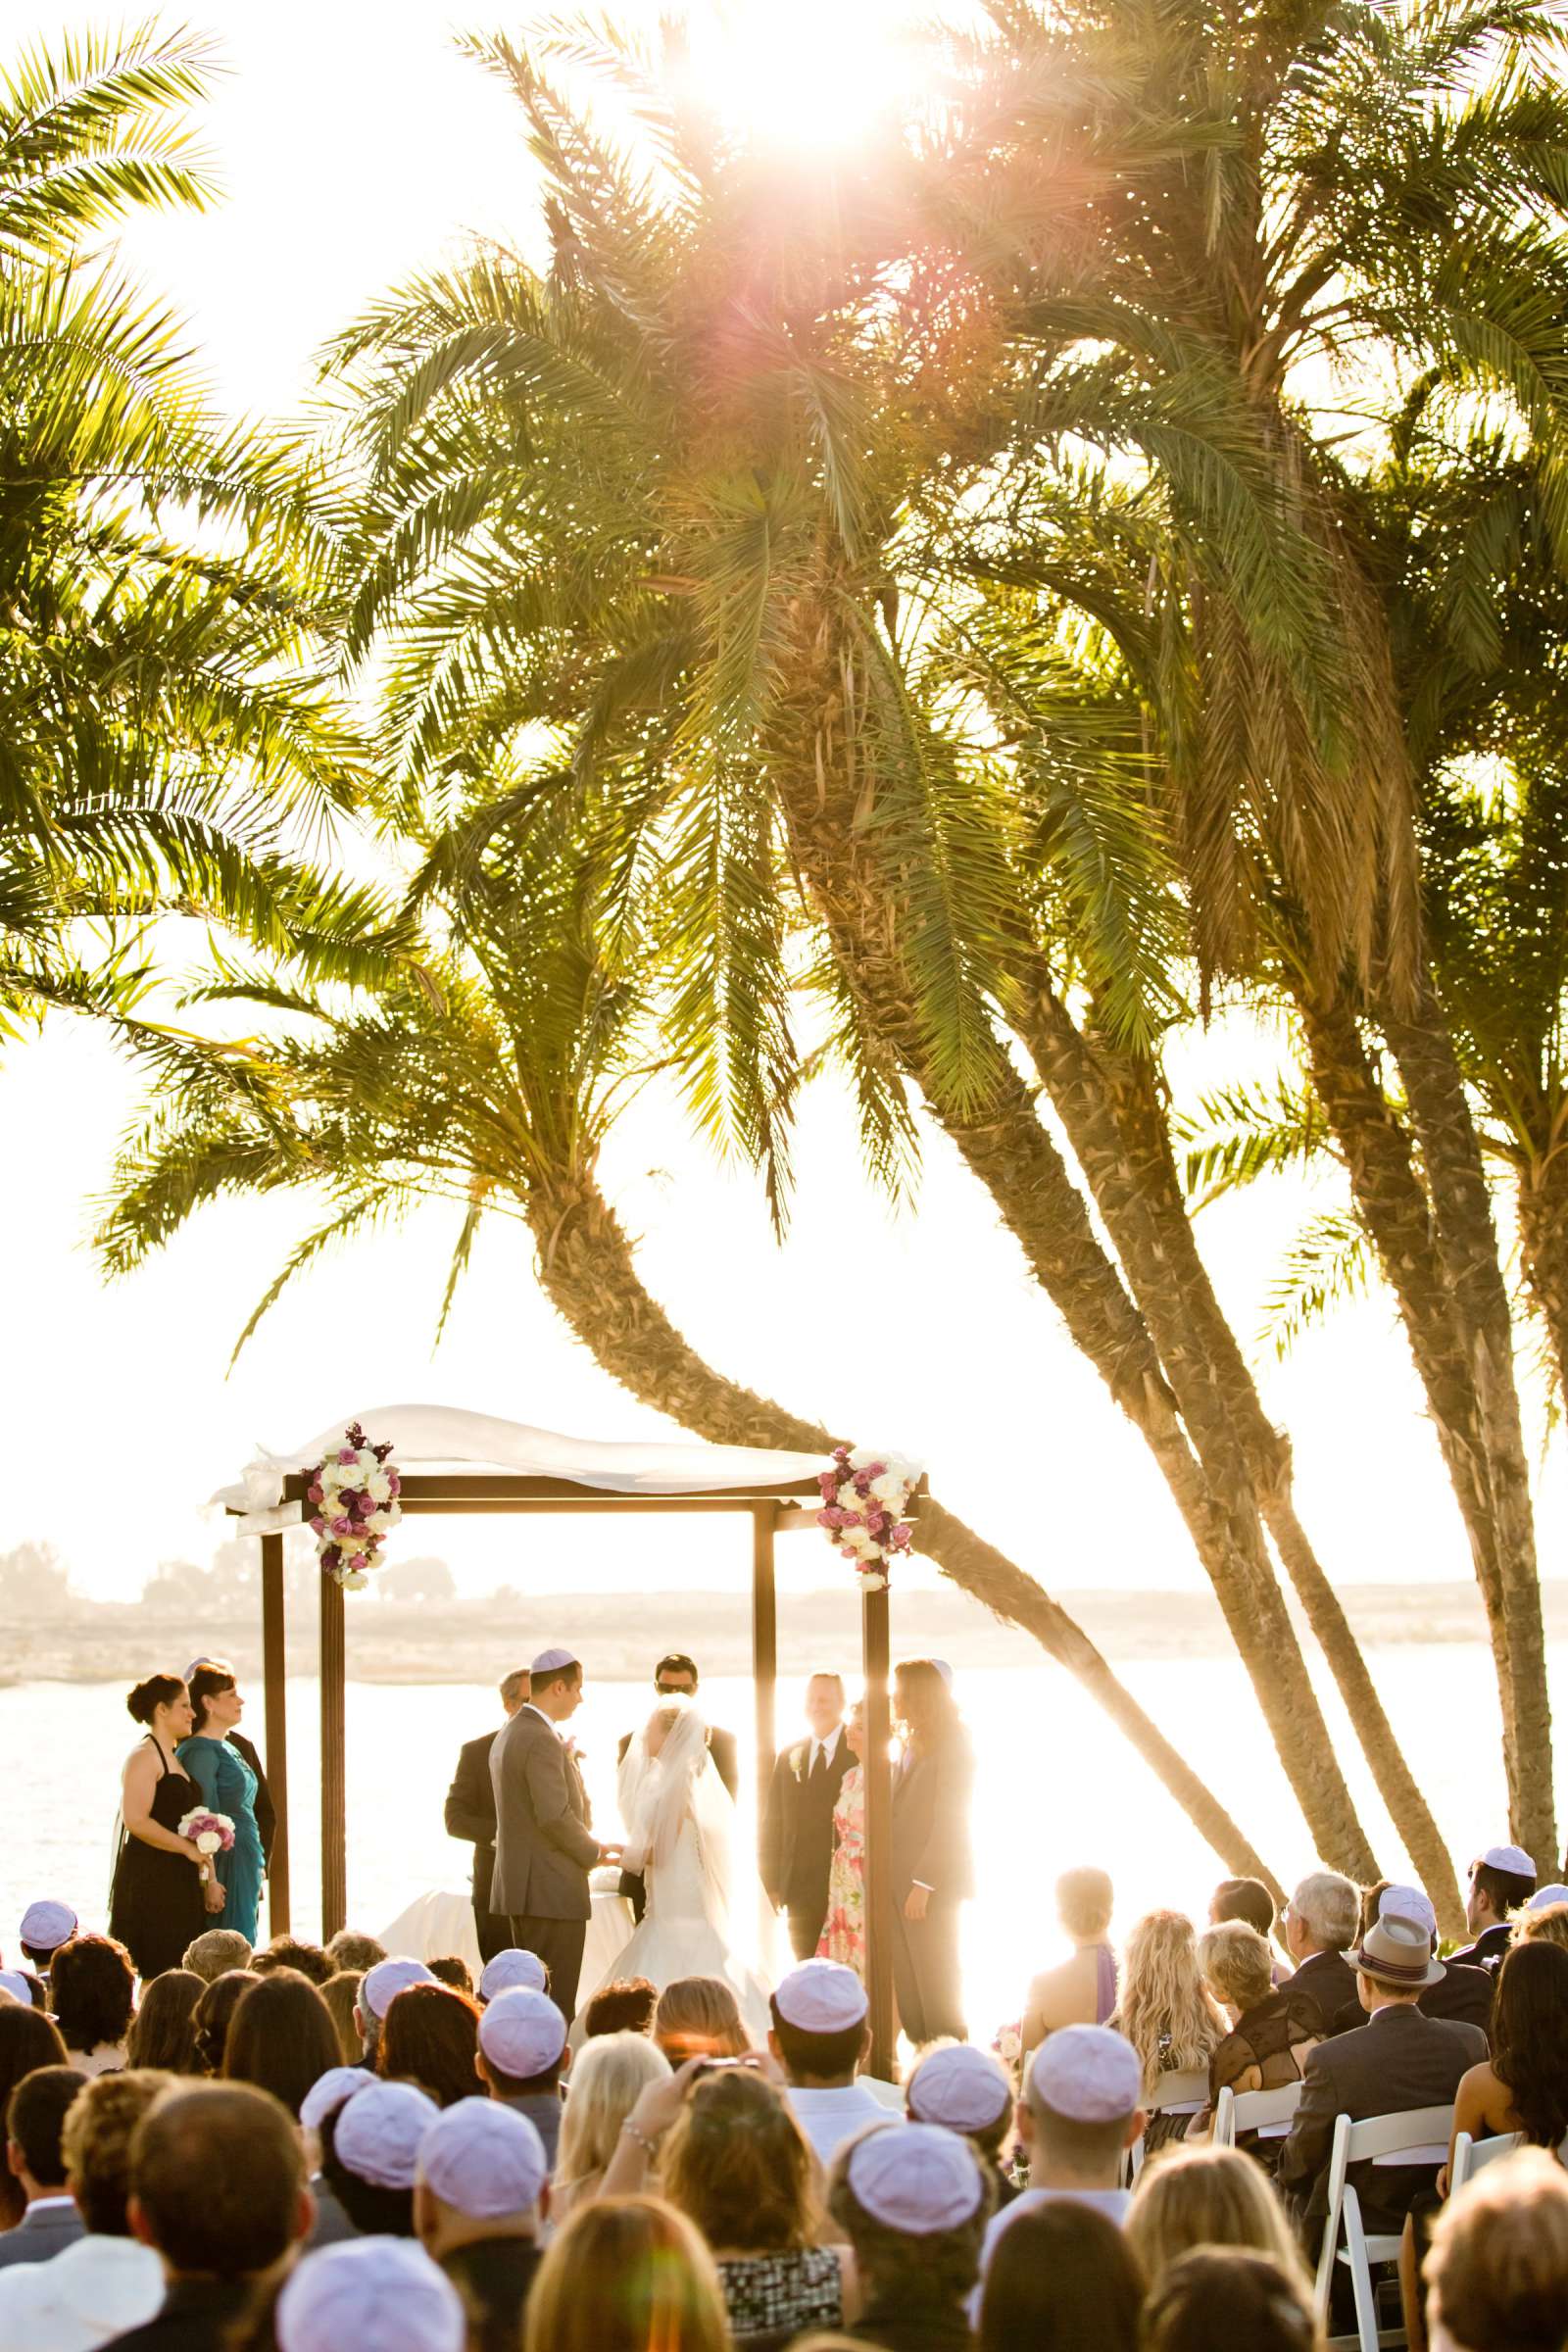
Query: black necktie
[{"x": 820, "y": 1763}]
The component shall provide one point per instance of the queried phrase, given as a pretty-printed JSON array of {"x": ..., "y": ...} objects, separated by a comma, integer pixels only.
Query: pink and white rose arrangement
[
  {"x": 354, "y": 1500},
  {"x": 866, "y": 1497},
  {"x": 210, "y": 1833}
]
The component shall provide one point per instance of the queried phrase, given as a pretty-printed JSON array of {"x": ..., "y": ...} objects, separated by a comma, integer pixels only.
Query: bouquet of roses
[
  {"x": 355, "y": 1500},
  {"x": 1007, "y": 2046},
  {"x": 865, "y": 1498},
  {"x": 210, "y": 1833}
]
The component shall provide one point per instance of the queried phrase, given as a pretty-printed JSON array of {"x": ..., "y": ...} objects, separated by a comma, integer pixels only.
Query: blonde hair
[
  {"x": 1548, "y": 1926},
  {"x": 1162, "y": 2009},
  {"x": 1498, "y": 2265},
  {"x": 1192, "y": 2196},
  {"x": 607, "y": 2077},
  {"x": 1085, "y": 1900},
  {"x": 340, "y": 1993},
  {"x": 1234, "y": 1959},
  {"x": 699, "y": 2017},
  {"x": 623, "y": 2276}
]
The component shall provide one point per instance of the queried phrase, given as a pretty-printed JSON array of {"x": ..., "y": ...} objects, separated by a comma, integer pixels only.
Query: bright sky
[{"x": 355, "y": 145}]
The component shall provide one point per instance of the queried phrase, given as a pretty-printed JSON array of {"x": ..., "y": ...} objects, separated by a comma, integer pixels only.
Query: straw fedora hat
[{"x": 1397, "y": 1951}]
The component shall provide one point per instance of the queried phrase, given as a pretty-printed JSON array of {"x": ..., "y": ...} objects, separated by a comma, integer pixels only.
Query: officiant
[
  {"x": 675, "y": 1677},
  {"x": 797, "y": 1844}
]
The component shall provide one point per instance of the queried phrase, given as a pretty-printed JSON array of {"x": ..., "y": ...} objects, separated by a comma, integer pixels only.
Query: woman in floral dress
[{"x": 843, "y": 1937}]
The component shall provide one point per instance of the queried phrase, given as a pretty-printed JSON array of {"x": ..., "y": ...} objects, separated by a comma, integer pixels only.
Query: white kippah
[
  {"x": 512, "y": 1968},
  {"x": 381, "y": 1985},
  {"x": 46, "y": 1926},
  {"x": 522, "y": 2033},
  {"x": 383, "y": 2294},
  {"x": 1511, "y": 1858},
  {"x": 551, "y": 1661},
  {"x": 821, "y": 1996},
  {"x": 485, "y": 2159},
  {"x": 1087, "y": 2073},
  {"x": 961, "y": 2087},
  {"x": 329, "y": 2091},
  {"x": 1544, "y": 1896},
  {"x": 379, "y": 2131},
  {"x": 15, "y": 1987},
  {"x": 915, "y": 2177},
  {"x": 1407, "y": 1902}
]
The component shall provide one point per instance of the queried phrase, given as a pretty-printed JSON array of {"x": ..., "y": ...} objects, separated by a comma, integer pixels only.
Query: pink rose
[
  {"x": 828, "y": 1484},
  {"x": 359, "y": 1561},
  {"x": 342, "y": 1527},
  {"x": 319, "y": 1527},
  {"x": 348, "y": 1453},
  {"x": 314, "y": 1492}
]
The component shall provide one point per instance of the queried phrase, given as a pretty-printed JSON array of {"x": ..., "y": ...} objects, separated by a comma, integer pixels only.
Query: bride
[{"x": 680, "y": 1821}]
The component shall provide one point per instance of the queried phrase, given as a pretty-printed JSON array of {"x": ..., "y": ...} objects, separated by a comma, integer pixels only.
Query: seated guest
[
  {"x": 1523, "y": 2086},
  {"x": 1500, "y": 1883},
  {"x": 1271, "y": 2031},
  {"x": 625, "y": 2007},
  {"x": 451, "y": 1969},
  {"x": 623, "y": 2276},
  {"x": 1165, "y": 2012},
  {"x": 287, "y": 1952},
  {"x": 509, "y": 1968},
  {"x": 282, "y": 2037},
  {"x": 348, "y": 1949},
  {"x": 93, "y": 1987},
  {"x": 341, "y": 1994},
  {"x": 377, "y": 2294},
  {"x": 1498, "y": 2272},
  {"x": 212, "y": 2015},
  {"x": 22, "y": 1984},
  {"x": 214, "y": 1954},
  {"x": 370, "y": 2155},
  {"x": 738, "y": 2165},
  {"x": 1062, "y": 2280},
  {"x": 28, "y": 2041},
  {"x": 821, "y": 2039},
  {"x": 162, "y": 2033},
  {"x": 607, "y": 2077},
  {"x": 1082, "y": 1991},
  {"x": 326, "y": 2095},
  {"x": 913, "y": 2202},
  {"x": 699, "y": 2017},
  {"x": 1464, "y": 1991},
  {"x": 431, "y": 2036},
  {"x": 1321, "y": 1922},
  {"x": 36, "y": 2116},
  {"x": 522, "y": 2056},
  {"x": 1188, "y": 2197},
  {"x": 1543, "y": 1922},
  {"x": 1223, "y": 2296},
  {"x": 105, "y": 2281},
  {"x": 217, "y": 2189},
  {"x": 478, "y": 2204},
  {"x": 1398, "y": 2060},
  {"x": 378, "y": 1989},
  {"x": 45, "y": 1926},
  {"x": 1079, "y": 2115},
  {"x": 966, "y": 2091},
  {"x": 1246, "y": 1899}
]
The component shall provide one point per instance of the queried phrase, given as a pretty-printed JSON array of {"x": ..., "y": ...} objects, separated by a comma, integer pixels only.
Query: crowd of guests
[{"x": 303, "y": 2148}]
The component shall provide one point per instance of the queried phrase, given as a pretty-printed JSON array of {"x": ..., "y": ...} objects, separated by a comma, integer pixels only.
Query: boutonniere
[{"x": 798, "y": 1760}]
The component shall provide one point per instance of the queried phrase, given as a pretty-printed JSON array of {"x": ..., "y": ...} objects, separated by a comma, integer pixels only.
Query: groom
[{"x": 545, "y": 1846}]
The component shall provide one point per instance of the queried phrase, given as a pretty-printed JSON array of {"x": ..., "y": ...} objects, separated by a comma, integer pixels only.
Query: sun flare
[{"x": 818, "y": 75}]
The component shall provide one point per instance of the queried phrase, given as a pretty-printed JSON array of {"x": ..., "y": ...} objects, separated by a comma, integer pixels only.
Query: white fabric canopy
[{"x": 441, "y": 1436}]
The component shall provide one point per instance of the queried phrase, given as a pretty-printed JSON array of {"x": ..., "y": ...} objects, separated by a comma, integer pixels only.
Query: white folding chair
[
  {"x": 1179, "y": 2095},
  {"x": 1471, "y": 2155},
  {"x": 1268, "y": 2113},
  {"x": 1419, "y": 2136}
]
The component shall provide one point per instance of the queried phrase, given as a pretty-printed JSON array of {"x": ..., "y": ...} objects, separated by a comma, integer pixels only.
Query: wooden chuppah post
[
  {"x": 764, "y": 1673},
  {"x": 876, "y": 1651},
  {"x": 276, "y": 1756},
  {"x": 334, "y": 1753}
]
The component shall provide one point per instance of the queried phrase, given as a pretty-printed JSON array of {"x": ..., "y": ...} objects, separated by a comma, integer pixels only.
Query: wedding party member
[
  {"x": 1079, "y": 2115},
  {"x": 1271, "y": 2031},
  {"x": 1082, "y": 1991},
  {"x": 431, "y": 2036},
  {"x": 1398, "y": 2060},
  {"x": 45, "y": 1926},
  {"x": 1501, "y": 1882},
  {"x": 699, "y": 2017},
  {"x": 163, "y": 2031},
  {"x": 214, "y": 1953},
  {"x": 1522, "y": 2085},
  {"x": 822, "y": 2038},
  {"x": 93, "y": 1988},
  {"x": 797, "y": 1846},
  {"x": 479, "y": 2207},
  {"x": 282, "y": 2039},
  {"x": 1322, "y": 1919},
  {"x": 1222, "y": 2295},
  {"x": 966, "y": 2091},
  {"x": 522, "y": 2056},
  {"x": 104, "y": 2283},
  {"x": 217, "y": 2189},
  {"x": 213, "y": 2015},
  {"x": 842, "y": 1935},
  {"x": 471, "y": 1816},
  {"x": 375, "y": 2293},
  {"x": 1191, "y": 2198},
  {"x": 228, "y": 1787},
  {"x": 738, "y": 2165},
  {"x": 913, "y": 2203},
  {"x": 509, "y": 1968},
  {"x": 161, "y": 1890},
  {"x": 932, "y": 1866},
  {"x": 1165, "y": 2012},
  {"x": 676, "y": 1677},
  {"x": 1062, "y": 2280},
  {"x": 545, "y": 1846},
  {"x": 622, "y": 2277},
  {"x": 379, "y": 1988},
  {"x": 1498, "y": 2272},
  {"x": 370, "y": 2155},
  {"x": 626, "y": 2006},
  {"x": 265, "y": 1810},
  {"x": 34, "y": 2121},
  {"x": 608, "y": 2076}
]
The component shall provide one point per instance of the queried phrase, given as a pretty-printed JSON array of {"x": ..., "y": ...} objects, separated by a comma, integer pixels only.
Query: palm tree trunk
[
  {"x": 1467, "y": 1244},
  {"x": 587, "y": 1269},
  {"x": 1542, "y": 1208},
  {"x": 1109, "y": 1104}
]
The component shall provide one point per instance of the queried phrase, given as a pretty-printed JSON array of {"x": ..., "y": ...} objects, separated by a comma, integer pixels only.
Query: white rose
[
  {"x": 889, "y": 1488},
  {"x": 863, "y": 1456},
  {"x": 357, "y": 1582},
  {"x": 366, "y": 1458},
  {"x": 377, "y": 1487}
]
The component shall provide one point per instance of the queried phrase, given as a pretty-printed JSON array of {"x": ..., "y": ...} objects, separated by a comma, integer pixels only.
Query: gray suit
[
  {"x": 40, "y": 2237},
  {"x": 1398, "y": 2060},
  {"x": 545, "y": 1848}
]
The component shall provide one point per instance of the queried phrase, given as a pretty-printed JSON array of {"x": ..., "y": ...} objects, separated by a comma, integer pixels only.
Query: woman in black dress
[{"x": 159, "y": 1904}]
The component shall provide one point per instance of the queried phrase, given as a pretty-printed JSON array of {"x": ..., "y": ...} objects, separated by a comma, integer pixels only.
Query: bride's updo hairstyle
[
  {"x": 922, "y": 1701},
  {"x": 699, "y": 2017},
  {"x": 158, "y": 1691}
]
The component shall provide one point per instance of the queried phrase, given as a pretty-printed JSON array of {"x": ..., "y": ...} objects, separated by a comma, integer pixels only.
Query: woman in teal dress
[{"x": 229, "y": 1785}]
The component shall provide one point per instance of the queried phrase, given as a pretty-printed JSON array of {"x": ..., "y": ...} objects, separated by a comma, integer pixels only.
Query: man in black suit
[
  {"x": 797, "y": 1846},
  {"x": 675, "y": 1677},
  {"x": 545, "y": 1845},
  {"x": 470, "y": 1814},
  {"x": 933, "y": 1864},
  {"x": 1321, "y": 1922},
  {"x": 1395, "y": 2061},
  {"x": 34, "y": 2121},
  {"x": 1461, "y": 1992},
  {"x": 1500, "y": 1883}
]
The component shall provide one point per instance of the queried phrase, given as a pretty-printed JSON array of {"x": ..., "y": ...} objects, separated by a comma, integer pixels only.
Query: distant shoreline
[{"x": 414, "y": 1643}]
